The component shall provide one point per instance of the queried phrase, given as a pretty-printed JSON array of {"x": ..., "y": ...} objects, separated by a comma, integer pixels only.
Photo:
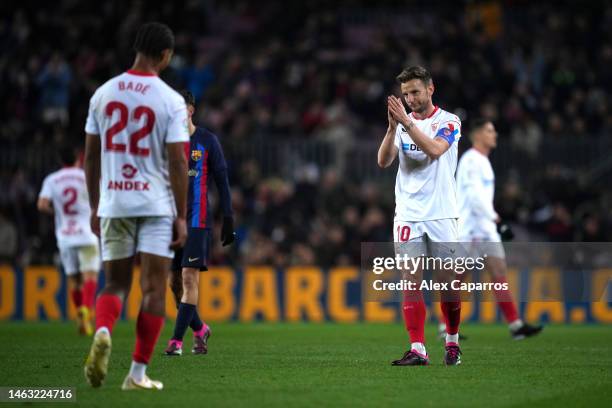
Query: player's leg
[
  {"x": 408, "y": 240},
  {"x": 89, "y": 265},
  {"x": 150, "y": 319},
  {"x": 194, "y": 258},
  {"x": 118, "y": 246},
  {"x": 450, "y": 306},
  {"x": 75, "y": 283},
  {"x": 70, "y": 265},
  {"x": 443, "y": 236},
  {"x": 496, "y": 267},
  {"x": 154, "y": 237},
  {"x": 186, "y": 309},
  {"x": 176, "y": 283}
]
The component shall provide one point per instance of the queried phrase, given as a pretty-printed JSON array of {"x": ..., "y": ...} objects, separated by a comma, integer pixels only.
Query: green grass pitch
[{"x": 265, "y": 365}]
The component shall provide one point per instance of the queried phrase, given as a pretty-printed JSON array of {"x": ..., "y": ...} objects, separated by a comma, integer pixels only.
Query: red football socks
[
  {"x": 505, "y": 301},
  {"x": 108, "y": 309},
  {"x": 452, "y": 315},
  {"x": 414, "y": 315},
  {"x": 148, "y": 328},
  {"x": 89, "y": 293},
  {"x": 77, "y": 297}
]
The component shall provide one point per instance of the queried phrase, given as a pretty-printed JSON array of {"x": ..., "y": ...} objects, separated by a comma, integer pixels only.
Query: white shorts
[
  {"x": 124, "y": 237},
  {"x": 479, "y": 246},
  {"x": 444, "y": 230},
  {"x": 426, "y": 237},
  {"x": 80, "y": 259}
]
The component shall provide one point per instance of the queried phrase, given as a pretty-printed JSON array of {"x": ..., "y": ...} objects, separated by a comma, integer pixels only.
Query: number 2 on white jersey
[{"x": 68, "y": 206}]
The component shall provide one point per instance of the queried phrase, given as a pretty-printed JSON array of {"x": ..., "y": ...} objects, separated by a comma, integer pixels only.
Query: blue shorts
[{"x": 195, "y": 252}]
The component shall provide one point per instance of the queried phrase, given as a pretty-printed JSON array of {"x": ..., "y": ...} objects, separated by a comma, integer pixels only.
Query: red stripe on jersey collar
[
  {"x": 140, "y": 73},
  {"x": 430, "y": 115}
]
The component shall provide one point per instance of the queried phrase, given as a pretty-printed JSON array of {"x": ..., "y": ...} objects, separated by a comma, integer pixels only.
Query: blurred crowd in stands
[{"x": 319, "y": 72}]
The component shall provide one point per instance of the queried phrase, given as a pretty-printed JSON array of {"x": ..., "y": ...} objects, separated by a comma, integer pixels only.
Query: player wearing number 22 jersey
[
  {"x": 64, "y": 194},
  {"x": 136, "y": 175}
]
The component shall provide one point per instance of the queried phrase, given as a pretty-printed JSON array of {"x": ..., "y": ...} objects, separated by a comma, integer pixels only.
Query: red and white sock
[
  {"x": 89, "y": 293},
  {"x": 108, "y": 309},
  {"x": 148, "y": 328},
  {"x": 452, "y": 317},
  {"x": 414, "y": 312}
]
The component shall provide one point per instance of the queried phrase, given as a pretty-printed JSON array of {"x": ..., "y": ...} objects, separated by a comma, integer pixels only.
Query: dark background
[{"x": 296, "y": 92}]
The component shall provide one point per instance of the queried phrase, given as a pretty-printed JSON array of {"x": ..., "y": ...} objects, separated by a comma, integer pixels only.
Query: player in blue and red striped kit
[{"x": 206, "y": 163}]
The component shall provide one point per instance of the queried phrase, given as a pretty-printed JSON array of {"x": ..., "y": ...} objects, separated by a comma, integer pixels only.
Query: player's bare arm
[
  {"x": 92, "y": 177},
  {"x": 387, "y": 152},
  {"x": 44, "y": 205},
  {"x": 177, "y": 166},
  {"x": 434, "y": 148}
]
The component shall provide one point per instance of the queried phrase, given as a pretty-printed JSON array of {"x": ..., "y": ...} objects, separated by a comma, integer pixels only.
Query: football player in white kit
[
  {"x": 478, "y": 219},
  {"x": 136, "y": 133},
  {"x": 426, "y": 209},
  {"x": 64, "y": 194}
]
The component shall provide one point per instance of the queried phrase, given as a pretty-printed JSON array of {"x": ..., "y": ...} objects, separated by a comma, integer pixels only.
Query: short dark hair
[
  {"x": 476, "y": 125},
  {"x": 414, "y": 72},
  {"x": 67, "y": 155},
  {"x": 188, "y": 96},
  {"x": 153, "y": 38}
]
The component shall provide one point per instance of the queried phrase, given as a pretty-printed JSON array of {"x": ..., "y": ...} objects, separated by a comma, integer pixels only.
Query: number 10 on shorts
[{"x": 402, "y": 233}]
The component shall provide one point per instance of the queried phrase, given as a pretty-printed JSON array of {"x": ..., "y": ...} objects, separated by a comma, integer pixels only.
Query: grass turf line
[{"x": 325, "y": 364}]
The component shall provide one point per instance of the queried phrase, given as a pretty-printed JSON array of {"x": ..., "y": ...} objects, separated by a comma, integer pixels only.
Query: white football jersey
[
  {"x": 424, "y": 188},
  {"x": 67, "y": 191},
  {"x": 475, "y": 192},
  {"x": 136, "y": 115}
]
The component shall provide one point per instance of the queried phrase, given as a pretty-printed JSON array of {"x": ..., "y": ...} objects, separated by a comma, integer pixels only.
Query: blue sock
[
  {"x": 196, "y": 324},
  {"x": 183, "y": 317}
]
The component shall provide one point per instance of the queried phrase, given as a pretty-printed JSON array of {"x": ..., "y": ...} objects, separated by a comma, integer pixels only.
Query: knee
[
  {"x": 190, "y": 281},
  {"x": 117, "y": 288}
]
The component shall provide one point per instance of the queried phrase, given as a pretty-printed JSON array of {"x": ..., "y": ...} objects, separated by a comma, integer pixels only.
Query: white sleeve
[
  {"x": 474, "y": 190},
  {"x": 91, "y": 125},
  {"x": 45, "y": 191},
  {"x": 450, "y": 130},
  {"x": 178, "y": 128}
]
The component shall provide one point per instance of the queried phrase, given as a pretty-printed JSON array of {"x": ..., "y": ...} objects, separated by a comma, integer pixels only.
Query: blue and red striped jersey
[{"x": 206, "y": 162}]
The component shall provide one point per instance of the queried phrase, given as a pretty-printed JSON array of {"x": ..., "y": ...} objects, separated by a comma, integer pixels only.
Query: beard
[{"x": 419, "y": 108}]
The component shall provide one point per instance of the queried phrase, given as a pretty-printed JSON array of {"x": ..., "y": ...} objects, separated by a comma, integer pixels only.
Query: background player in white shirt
[
  {"x": 426, "y": 208},
  {"x": 478, "y": 219},
  {"x": 136, "y": 133},
  {"x": 64, "y": 194}
]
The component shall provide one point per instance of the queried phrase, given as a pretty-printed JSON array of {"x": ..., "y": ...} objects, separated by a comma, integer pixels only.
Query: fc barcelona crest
[{"x": 196, "y": 155}]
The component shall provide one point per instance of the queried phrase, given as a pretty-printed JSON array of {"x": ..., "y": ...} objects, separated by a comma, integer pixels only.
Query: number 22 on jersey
[{"x": 119, "y": 126}]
